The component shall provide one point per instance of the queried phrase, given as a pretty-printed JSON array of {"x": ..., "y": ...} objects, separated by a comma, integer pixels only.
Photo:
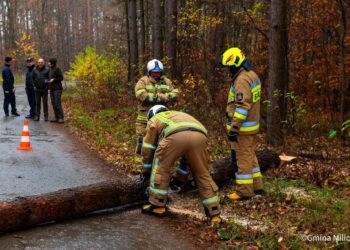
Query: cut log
[{"x": 25, "y": 212}]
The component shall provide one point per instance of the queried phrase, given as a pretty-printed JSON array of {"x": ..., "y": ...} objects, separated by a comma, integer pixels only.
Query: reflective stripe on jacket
[
  {"x": 150, "y": 92},
  {"x": 243, "y": 104},
  {"x": 165, "y": 124}
]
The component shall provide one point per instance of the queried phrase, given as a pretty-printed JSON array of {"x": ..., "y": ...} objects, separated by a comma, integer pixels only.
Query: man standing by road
[
  {"x": 243, "y": 113},
  {"x": 40, "y": 78},
  {"x": 8, "y": 82},
  {"x": 30, "y": 88},
  {"x": 55, "y": 86}
]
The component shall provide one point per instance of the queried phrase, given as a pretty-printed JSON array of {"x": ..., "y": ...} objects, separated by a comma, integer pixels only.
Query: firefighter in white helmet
[{"x": 152, "y": 89}]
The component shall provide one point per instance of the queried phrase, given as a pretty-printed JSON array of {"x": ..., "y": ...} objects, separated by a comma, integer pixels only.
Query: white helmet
[
  {"x": 154, "y": 65},
  {"x": 155, "y": 110}
]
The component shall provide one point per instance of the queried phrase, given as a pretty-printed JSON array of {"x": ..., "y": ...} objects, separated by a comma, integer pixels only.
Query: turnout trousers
[
  {"x": 193, "y": 146},
  {"x": 248, "y": 177}
]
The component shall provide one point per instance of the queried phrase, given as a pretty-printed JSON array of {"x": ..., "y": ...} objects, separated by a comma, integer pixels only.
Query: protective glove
[{"x": 232, "y": 136}]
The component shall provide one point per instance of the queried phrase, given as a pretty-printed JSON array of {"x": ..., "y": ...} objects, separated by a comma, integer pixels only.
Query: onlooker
[
  {"x": 9, "y": 88},
  {"x": 30, "y": 88},
  {"x": 55, "y": 86},
  {"x": 40, "y": 78}
]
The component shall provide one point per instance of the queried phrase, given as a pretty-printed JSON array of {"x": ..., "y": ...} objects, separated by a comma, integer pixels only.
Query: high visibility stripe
[
  {"x": 178, "y": 168},
  {"x": 175, "y": 126},
  {"x": 228, "y": 126},
  {"x": 147, "y": 165},
  {"x": 244, "y": 182},
  {"x": 239, "y": 116},
  {"x": 244, "y": 178},
  {"x": 256, "y": 88},
  {"x": 154, "y": 171},
  {"x": 147, "y": 145},
  {"x": 150, "y": 97},
  {"x": 175, "y": 91},
  {"x": 241, "y": 111},
  {"x": 140, "y": 91},
  {"x": 162, "y": 86},
  {"x": 142, "y": 118},
  {"x": 256, "y": 169},
  {"x": 231, "y": 95},
  {"x": 150, "y": 87},
  {"x": 255, "y": 84},
  {"x": 158, "y": 191},
  {"x": 257, "y": 174},
  {"x": 211, "y": 200},
  {"x": 249, "y": 128}
]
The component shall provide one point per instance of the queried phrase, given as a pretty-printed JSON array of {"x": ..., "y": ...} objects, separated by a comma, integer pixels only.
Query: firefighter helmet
[
  {"x": 155, "y": 66},
  {"x": 155, "y": 110},
  {"x": 233, "y": 57}
]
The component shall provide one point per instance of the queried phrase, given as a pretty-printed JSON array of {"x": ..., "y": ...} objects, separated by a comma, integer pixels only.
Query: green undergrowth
[{"x": 296, "y": 214}]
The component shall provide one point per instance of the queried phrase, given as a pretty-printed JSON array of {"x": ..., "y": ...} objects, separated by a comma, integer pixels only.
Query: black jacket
[
  {"x": 40, "y": 78},
  {"x": 8, "y": 80},
  {"x": 29, "y": 83},
  {"x": 56, "y": 74}
]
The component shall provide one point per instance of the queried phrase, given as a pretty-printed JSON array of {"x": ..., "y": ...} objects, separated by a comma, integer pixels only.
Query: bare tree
[
  {"x": 277, "y": 80},
  {"x": 157, "y": 39},
  {"x": 171, "y": 35},
  {"x": 132, "y": 37}
]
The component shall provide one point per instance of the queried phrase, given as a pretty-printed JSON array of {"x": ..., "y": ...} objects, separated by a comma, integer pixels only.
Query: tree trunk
[
  {"x": 277, "y": 71},
  {"x": 157, "y": 39},
  {"x": 171, "y": 36},
  {"x": 25, "y": 212},
  {"x": 132, "y": 37},
  {"x": 142, "y": 36}
]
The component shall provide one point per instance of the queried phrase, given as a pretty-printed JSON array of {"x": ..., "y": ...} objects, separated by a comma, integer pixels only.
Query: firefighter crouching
[
  {"x": 169, "y": 136},
  {"x": 152, "y": 89},
  {"x": 243, "y": 112}
]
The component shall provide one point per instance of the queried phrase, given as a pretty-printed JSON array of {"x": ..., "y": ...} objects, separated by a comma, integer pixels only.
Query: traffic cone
[{"x": 25, "y": 143}]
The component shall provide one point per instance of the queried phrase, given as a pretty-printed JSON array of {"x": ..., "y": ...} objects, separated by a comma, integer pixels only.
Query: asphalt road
[{"x": 58, "y": 161}]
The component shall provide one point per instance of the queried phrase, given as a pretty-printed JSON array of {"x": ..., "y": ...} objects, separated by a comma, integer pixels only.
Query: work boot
[
  {"x": 36, "y": 118},
  {"x": 15, "y": 114},
  {"x": 46, "y": 119},
  {"x": 29, "y": 117},
  {"x": 153, "y": 210},
  {"x": 54, "y": 120},
  {"x": 261, "y": 192},
  {"x": 6, "y": 114},
  {"x": 60, "y": 121},
  {"x": 215, "y": 220},
  {"x": 237, "y": 197}
]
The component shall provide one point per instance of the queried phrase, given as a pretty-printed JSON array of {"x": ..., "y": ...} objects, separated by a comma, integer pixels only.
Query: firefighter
[
  {"x": 152, "y": 89},
  {"x": 243, "y": 113},
  {"x": 169, "y": 136}
]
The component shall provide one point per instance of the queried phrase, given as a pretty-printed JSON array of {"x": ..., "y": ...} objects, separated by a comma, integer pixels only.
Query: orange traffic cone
[{"x": 25, "y": 143}]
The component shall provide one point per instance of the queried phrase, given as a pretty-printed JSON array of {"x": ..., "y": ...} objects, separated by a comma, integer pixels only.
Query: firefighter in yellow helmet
[
  {"x": 152, "y": 89},
  {"x": 243, "y": 113},
  {"x": 169, "y": 136}
]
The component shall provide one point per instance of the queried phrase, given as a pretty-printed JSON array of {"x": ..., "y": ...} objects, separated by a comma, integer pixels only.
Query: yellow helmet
[{"x": 233, "y": 57}]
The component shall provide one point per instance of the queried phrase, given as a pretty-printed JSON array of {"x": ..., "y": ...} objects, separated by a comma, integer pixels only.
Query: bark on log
[{"x": 25, "y": 212}]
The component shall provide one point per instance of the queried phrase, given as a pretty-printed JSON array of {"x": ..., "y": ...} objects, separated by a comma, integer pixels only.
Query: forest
[{"x": 299, "y": 49}]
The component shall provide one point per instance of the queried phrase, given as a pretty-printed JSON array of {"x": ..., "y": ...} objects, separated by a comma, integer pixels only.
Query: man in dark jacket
[
  {"x": 40, "y": 78},
  {"x": 30, "y": 88},
  {"x": 9, "y": 88},
  {"x": 55, "y": 86}
]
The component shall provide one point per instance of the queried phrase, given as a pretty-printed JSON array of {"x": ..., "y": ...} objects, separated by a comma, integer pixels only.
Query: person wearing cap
[
  {"x": 55, "y": 86},
  {"x": 8, "y": 83},
  {"x": 30, "y": 88}
]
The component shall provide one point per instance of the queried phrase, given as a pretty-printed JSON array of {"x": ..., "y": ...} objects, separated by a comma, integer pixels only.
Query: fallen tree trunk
[{"x": 25, "y": 212}]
